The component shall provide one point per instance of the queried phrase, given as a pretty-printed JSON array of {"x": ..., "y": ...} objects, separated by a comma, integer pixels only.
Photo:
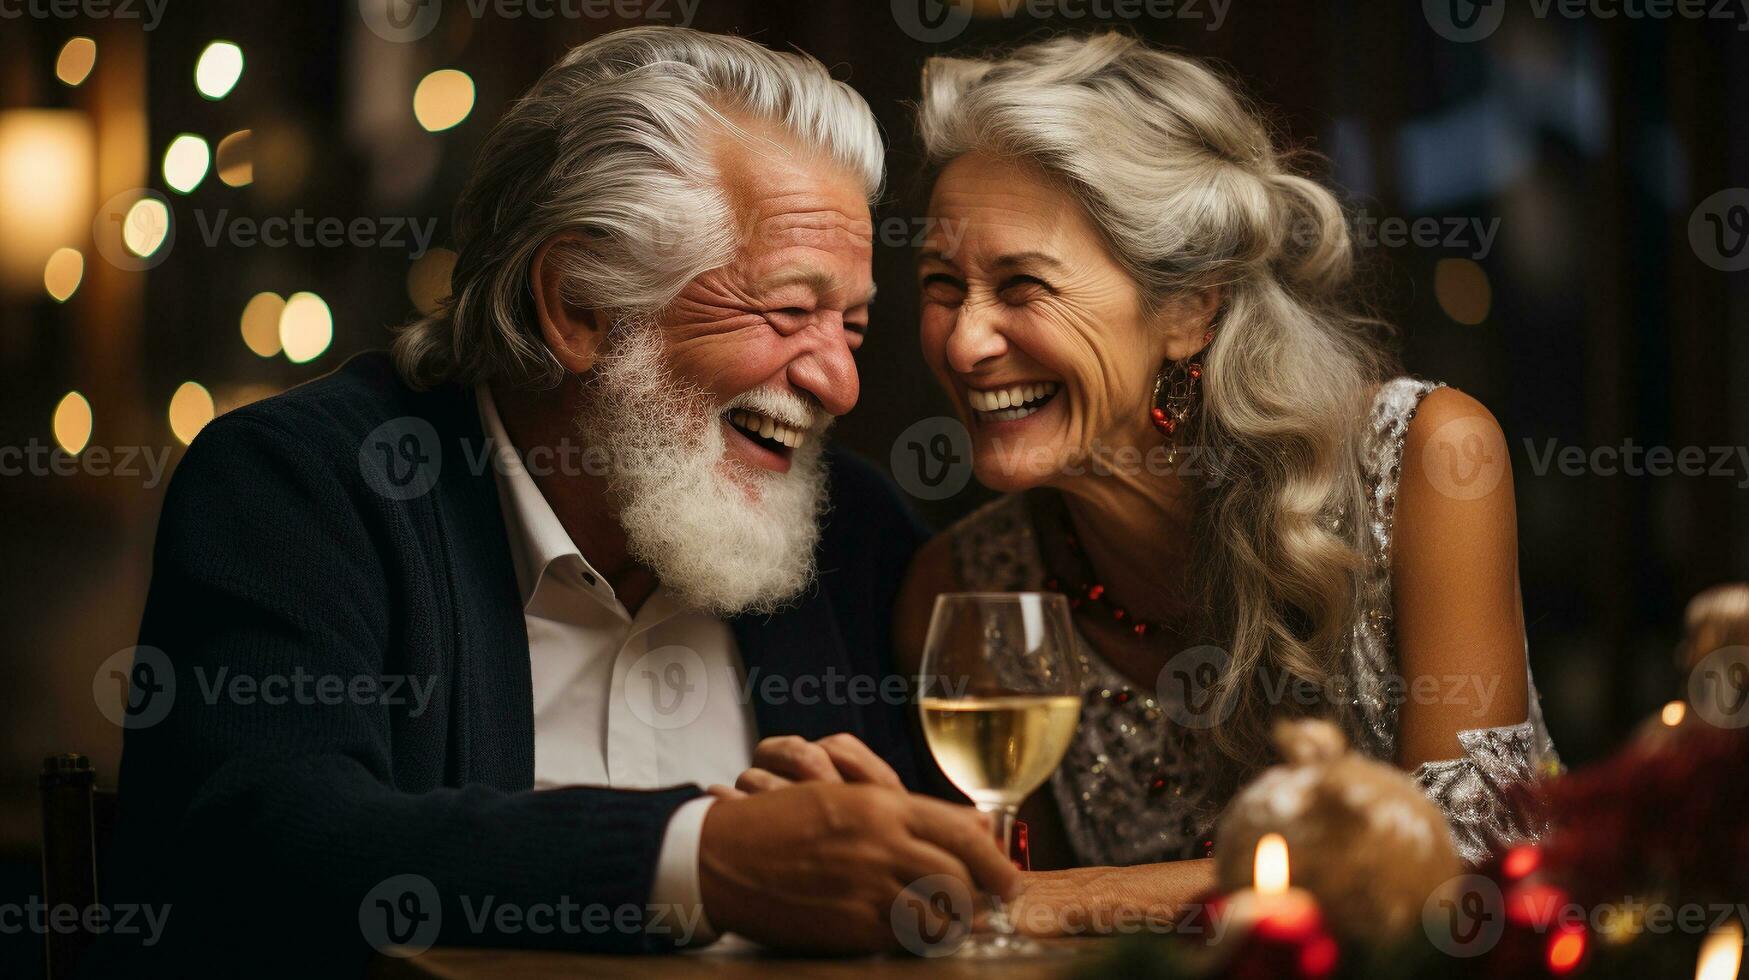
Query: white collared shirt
[{"x": 620, "y": 700}]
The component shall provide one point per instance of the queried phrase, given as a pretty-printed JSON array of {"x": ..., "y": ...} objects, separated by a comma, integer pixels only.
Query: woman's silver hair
[
  {"x": 614, "y": 144},
  {"x": 1182, "y": 178}
]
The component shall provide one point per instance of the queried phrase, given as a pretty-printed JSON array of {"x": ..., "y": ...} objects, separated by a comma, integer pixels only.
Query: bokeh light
[
  {"x": 443, "y": 99},
  {"x": 428, "y": 279},
  {"x": 234, "y": 159},
  {"x": 1721, "y": 954},
  {"x": 1565, "y": 951},
  {"x": 218, "y": 69},
  {"x": 191, "y": 408},
  {"x": 1461, "y": 286},
  {"x": 185, "y": 163},
  {"x": 261, "y": 323},
  {"x": 146, "y": 226},
  {"x": 63, "y": 273},
  {"x": 78, "y": 56},
  {"x": 72, "y": 423},
  {"x": 1673, "y": 713},
  {"x": 305, "y": 327}
]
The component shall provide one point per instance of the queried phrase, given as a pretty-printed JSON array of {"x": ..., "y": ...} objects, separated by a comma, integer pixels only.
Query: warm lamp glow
[
  {"x": 1721, "y": 955},
  {"x": 185, "y": 163},
  {"x": 191, "y": 408},
  {"x": 72, "y": 423},
  {"x": 443, "y": 99},
  {"x": 261, "y": 323},
  {"x": 78, "y": 56},
  {"x": 305, "y": 327},
  {"x": 62, "y": 274},
  {"x": 45, "y": 189},
  {"x": 234, "y": 160},
  {"x": 220, "y": 65},
  {"x": 1270, "y": 872},
  {"x": 1673, "y": 713}
]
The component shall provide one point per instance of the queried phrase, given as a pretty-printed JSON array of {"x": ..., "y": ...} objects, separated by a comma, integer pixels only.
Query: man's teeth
[
  {"x": 767, "y": 427},
  {"x": 1015, "y": 398}
]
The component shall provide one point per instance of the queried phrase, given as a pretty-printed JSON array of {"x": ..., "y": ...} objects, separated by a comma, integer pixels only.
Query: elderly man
[{"x": 454, "y": 641}]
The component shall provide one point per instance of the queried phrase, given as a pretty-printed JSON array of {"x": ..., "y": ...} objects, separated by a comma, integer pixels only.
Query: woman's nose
[{"x": 973, "y": 340}]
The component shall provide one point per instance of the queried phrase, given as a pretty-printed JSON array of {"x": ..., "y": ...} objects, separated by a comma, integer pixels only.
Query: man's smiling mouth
[{"x": 765, "y": 431}]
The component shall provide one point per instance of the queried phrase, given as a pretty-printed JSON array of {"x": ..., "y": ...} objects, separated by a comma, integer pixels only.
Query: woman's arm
[
  {"x": 1454, "y": 573},
  {"x": 1097, "y": 901}
]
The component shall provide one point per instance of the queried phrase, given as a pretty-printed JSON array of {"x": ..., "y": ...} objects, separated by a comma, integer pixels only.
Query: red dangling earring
[{"x": 1177, "y": 388}]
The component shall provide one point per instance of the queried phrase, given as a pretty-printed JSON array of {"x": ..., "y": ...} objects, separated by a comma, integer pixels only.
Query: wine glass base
[{"x": 987, "y": 946}]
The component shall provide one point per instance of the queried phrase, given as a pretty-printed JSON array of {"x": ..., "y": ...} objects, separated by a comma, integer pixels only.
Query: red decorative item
[
  {"x": 1020, "y": 849},
  {"x": 1177, "y": 391}
]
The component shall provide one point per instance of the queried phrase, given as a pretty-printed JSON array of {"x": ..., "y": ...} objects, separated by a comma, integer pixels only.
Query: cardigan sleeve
[{"x": 274, "y": 827}]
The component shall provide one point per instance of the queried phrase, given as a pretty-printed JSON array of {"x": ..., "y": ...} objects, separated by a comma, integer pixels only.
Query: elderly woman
[
  {"x": 1142, "y": 315},
  {"x": 1146, "y": 328}
]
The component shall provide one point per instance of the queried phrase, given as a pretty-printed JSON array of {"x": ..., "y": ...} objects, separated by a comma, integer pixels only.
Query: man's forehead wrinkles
[
  {"x": 820, "y": 219},
  {"x": 822, "y": 282}
]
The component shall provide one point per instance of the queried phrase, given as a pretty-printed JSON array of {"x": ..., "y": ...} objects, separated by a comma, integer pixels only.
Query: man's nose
[
  {"x": 973, "y": 340},
  {"x": 827, "y": 370}
]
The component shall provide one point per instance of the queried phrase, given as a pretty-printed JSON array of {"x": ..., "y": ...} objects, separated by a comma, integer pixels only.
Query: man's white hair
[{"x": 614, "y": 144}]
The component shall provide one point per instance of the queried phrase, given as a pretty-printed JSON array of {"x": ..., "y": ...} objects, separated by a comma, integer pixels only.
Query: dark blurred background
[{"x": 1551, "y": 202}]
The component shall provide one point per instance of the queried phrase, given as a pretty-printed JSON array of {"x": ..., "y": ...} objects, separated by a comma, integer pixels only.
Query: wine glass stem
[{"x": 1003, "y": 822}]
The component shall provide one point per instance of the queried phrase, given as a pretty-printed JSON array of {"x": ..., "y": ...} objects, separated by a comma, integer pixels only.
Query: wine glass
[{"x": 1000, "y": 702}]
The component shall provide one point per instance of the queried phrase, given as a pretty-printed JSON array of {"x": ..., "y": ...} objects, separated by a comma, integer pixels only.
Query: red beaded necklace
[{"x": 1087, "y": 592}]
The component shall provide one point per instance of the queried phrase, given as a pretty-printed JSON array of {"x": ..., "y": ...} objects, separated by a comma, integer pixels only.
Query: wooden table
[{"x": 727, "y": 960}]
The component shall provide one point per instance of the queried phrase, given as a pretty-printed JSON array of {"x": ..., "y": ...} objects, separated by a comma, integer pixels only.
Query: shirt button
[{"x": 588, "y": 579}]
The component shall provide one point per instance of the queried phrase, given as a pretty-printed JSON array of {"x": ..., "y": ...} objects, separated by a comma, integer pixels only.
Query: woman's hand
[
  {"x": 1097, "y": 901},
  {"x": 789, "y": 759}
]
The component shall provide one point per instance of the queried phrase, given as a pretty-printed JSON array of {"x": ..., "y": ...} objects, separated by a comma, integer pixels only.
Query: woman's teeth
[
  {"x": 766, "y": 427},
  {"x": 1012, "y": 402}
]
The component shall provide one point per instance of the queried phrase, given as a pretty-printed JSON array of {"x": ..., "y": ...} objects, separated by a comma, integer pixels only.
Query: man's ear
[
  {"x": 573, "y": 333},
  {"x": 1187, "y": 318}
]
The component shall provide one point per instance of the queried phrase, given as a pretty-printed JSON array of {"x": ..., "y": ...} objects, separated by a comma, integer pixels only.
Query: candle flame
[
  {"x": 1270, "y": 874},
  {"x": 1722, "y": 953}
]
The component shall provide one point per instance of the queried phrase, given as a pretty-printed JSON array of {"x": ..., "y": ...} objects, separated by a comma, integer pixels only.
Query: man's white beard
[{"x": 685, "y": 508}]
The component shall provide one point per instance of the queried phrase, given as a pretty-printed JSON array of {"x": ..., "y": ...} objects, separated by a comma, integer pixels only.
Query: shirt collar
[{"x": 538, "y": 541}]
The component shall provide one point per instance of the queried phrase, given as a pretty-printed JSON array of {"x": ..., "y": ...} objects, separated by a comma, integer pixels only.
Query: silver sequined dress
[{"x": 1133, "y": 787}]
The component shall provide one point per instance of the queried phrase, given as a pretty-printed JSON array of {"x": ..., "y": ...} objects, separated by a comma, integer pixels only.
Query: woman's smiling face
[{"x": 1036, "y": 331}]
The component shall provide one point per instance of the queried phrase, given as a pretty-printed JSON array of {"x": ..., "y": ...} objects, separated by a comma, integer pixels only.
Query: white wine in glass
[
  {"x": 999, "y": 749},
  {"x": 1000, "y": 703}
]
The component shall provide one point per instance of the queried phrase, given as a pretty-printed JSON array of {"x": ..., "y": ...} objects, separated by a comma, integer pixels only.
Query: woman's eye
[
  {"x": 1019, "y": 289},
  {"x": 942, "y": 288}
]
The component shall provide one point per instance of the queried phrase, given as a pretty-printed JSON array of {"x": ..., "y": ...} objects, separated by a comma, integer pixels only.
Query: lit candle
[
  {"x": 1272, "y": 906},
  {"x": 1722, "y": 953}
]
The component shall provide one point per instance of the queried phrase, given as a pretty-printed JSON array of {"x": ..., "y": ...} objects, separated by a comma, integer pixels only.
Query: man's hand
[
  {"x": 788, "y": 759},
  {"x": 817, "y": 866}
]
